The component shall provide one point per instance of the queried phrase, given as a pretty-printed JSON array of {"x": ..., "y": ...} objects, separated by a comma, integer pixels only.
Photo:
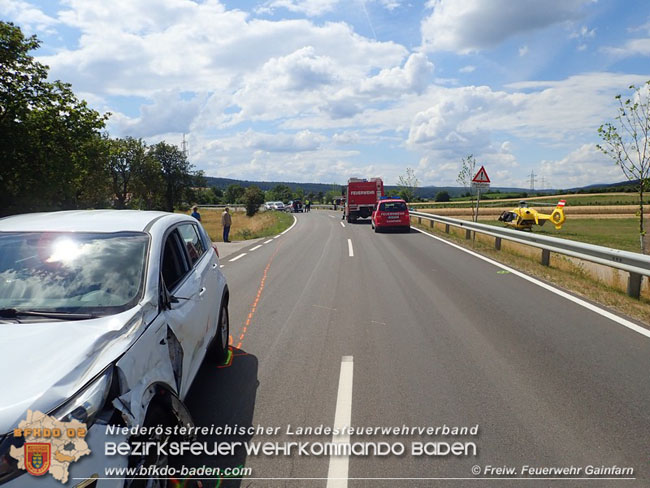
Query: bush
[
  {"x": 253, "y": 198},
  {"x": 442, "y": 196}
]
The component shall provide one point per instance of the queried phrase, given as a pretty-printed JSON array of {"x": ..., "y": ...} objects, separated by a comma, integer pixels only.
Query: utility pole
[
  {"x": 184, "y": 147},
  {"x": 532, "y": 179}
]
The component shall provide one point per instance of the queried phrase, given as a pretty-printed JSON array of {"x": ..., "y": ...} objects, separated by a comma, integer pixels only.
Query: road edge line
[{"x": 579, "y": 301}]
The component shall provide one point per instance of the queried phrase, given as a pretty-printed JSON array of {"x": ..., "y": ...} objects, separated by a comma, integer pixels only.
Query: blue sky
[{"x": 322, "y": 90}]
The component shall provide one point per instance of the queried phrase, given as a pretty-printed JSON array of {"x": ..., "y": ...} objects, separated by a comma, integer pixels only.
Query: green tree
[
  {"x": 218, "y": 194},
  {"x": 408, "y": 184},
  {"x": 128, "y": 168},
  {"x": 177, "y": 173},
  {"x": 465, "y": 175},
  {"x": 442, "y": 196},
  {"x": 233, "y": 194},
  {"x": 282, "y": 193},
  {"x": 253, "y": 198},
  {"x": 627, "y": 142},
  {"x": 50, "y": 144}
]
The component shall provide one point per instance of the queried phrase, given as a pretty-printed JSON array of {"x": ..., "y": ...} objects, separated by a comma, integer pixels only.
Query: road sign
[
  {"x": 481, "y": 176},
  {"x": 481, "y": 180}
]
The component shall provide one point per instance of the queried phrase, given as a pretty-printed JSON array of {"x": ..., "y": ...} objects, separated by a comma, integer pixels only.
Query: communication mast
[{"x": 184, "y": 147}]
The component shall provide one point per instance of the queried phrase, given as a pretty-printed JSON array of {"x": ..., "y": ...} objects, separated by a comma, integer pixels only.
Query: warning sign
[{"x": 481, "y": 176}]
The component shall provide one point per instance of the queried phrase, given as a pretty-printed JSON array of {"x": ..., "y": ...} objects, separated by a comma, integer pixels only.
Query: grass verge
[
  {"x": 562, "y": 273},
  {"x": 262, "y": 224},
  {"x": 617, "y": 233}
]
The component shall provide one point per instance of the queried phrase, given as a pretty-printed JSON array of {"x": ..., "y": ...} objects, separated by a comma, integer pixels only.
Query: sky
[{"x": 323, "y": 90}]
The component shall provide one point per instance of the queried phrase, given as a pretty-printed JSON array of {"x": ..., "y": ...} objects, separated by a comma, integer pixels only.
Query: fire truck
[{"x": 361, "y": 196}]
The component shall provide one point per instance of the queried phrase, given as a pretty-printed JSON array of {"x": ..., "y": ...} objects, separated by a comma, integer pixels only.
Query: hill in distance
[{"x": 427, "y": 192}]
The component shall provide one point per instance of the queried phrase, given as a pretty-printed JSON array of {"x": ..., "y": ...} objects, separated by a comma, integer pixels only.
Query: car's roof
[
  {"x": 86, "y": 221},
  {"x": 392, "y": 200}
]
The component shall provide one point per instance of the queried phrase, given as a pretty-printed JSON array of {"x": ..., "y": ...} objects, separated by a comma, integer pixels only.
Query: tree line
[{"x": 56, "y": 155}]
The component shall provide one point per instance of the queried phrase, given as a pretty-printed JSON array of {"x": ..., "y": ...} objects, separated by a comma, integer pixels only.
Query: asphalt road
[{"x": 431, "y": 336}]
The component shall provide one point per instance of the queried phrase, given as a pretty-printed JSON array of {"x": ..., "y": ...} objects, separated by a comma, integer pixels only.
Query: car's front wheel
[{"x": 219, "y": 347}]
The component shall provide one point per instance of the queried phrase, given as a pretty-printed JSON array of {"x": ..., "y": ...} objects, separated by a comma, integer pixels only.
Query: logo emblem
[{"x": 37, "y": 458}]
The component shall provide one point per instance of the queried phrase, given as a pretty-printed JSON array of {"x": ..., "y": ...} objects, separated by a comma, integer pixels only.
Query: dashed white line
[
  {"x": 350, "y": 250},
  {"x": 237, "y": 257},
  {"x": 256, "y": 247},
  {"x": 270, "y": 240},
  {"x": 337, "y": 474},
  {"x": 587, "y": 305},
  {"x": 342, "y": 224}
]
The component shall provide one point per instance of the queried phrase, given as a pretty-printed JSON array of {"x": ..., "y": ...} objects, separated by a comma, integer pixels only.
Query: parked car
[
  {"x": 105, "y": 317},
  {"x": 278, "y": 206},
  {"x": 270, "y": 206},
  {"x": 294, "y": 206},
  {"x": 390, "y": 213}
]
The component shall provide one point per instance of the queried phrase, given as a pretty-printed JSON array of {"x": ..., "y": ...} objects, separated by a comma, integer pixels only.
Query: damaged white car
[{"x": 105, "y": 317}]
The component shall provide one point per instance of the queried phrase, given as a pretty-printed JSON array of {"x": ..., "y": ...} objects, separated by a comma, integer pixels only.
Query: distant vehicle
[
  {"x": 391, "y": 213},
  {"x": 270, "y": 206},
  {"x": 278, "y": 205},
  {"x": 294, "y": 206},
  {"x": 361, "y": 196},
  {"x": 523, "y": 217},
  {"x": 105, "y": 317}
]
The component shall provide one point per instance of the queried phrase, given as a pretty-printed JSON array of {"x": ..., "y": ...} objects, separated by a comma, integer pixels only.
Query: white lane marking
[
  {"x": 326, "y": 308},
  {"x": 221, "y": 266},
  {"x": 332, "y": 216},
  {"x": 256, "y": 247},
  {"x": 270, "y": 240},
  {"x": 552, "y": 289},
  {"x": 277, "y": 236},
  {"x": 236, "y": 258},
  {"x": 350, "y": 250},
  {"x": 342, "y": 224},
  {"x": 337, "y": 474},
  {"x": 295, "y": 221}
]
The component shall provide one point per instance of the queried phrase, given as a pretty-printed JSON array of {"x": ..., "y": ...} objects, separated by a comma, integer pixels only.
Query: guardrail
[{"x": 637, "y": 265}]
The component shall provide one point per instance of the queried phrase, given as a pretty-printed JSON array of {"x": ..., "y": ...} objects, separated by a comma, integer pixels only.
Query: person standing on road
[
  {"x": 226, "y": 222},
  {"x": 307, "y": 206},
  {"x": 195, "y": 213}
]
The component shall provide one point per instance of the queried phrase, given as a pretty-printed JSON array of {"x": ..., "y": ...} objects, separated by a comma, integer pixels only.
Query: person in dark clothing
[
  {"x": 226, "y": 222},
  {"x": 195, "y": 213}
]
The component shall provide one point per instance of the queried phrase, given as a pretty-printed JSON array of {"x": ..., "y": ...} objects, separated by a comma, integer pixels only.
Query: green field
[
  {"x": 616, "y": 233},
  {"x": 572, "y": 200}
]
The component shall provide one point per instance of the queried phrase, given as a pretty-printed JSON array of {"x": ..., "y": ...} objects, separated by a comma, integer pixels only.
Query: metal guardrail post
[
  {"x": 431, "y": 224},
  {"x": 546, "y": 257},
  {"x": 419, "y": 220},
  {"x": 446, "y": 228},
  {"x": 634, "y": 285},
  {"x": 468, "y": 234},
  {"x": 497, "y": 243}
]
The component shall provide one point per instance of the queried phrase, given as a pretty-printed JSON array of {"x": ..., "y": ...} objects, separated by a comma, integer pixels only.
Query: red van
[{"x": 391, "y": 213}]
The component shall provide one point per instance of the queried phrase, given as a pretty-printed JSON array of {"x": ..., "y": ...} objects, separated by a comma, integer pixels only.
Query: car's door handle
[
  {"x": 202, "y": 291},
  {"x": 214, "y": 265}
]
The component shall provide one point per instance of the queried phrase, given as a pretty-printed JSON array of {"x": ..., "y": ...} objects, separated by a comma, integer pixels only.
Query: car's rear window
[
  {"x": 97, "y": 273},
  {"x": 392, "y": 206}
]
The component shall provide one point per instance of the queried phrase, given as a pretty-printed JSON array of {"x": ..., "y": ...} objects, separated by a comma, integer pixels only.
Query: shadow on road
[{"x": 221, "y": 397}]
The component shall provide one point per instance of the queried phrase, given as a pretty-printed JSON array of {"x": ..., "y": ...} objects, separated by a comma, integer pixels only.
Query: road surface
[{"x": 331, "y": 322}]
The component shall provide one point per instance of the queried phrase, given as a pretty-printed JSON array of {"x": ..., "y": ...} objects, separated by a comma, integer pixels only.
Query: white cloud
[
  {"x": 583, "y": 166},
  {"x": 169, "y": 113},
  {"x": 465, "y": 26},
  {"x": 523, "y": 50},
  {"x": 633, "y": 47},
  {"x": 314, "y": 8},
  {"x": 414, "y": 76},
  {"x": 140, "y": 48},
  {"x": 467, "y": 69},
  {"x": 27, "y": 16}
]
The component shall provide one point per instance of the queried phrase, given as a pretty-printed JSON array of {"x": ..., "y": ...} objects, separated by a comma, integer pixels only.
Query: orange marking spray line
[{"x": 251, "y": 314}]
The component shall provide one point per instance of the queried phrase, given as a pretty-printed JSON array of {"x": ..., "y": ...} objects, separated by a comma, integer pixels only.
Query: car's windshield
[
  {"x": 392, "y": 206},
  {"x": 71, "y": 272}
]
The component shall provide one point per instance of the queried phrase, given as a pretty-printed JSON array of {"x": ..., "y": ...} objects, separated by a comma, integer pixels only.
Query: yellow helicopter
[{"x": 523, "y": 217}]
